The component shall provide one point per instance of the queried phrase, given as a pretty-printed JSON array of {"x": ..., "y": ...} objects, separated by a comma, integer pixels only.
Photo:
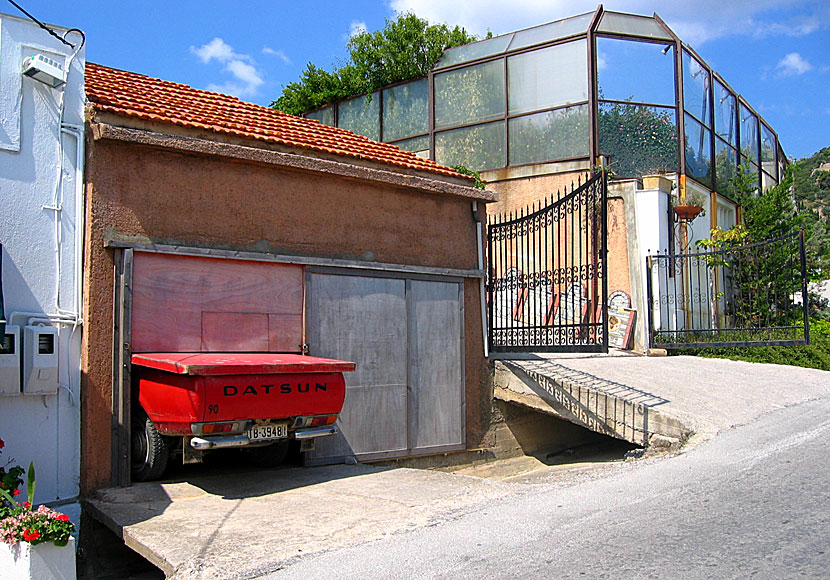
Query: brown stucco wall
[
  {"x": 618, "y": 270},
  {"x": 201, "y": 200}
]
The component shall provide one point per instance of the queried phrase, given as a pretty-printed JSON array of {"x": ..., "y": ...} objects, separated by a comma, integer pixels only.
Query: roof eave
[{"x": 108, "y": 127}]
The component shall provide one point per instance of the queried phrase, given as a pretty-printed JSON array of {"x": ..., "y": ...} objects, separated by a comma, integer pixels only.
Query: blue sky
[{"x": 776, "y": 53}]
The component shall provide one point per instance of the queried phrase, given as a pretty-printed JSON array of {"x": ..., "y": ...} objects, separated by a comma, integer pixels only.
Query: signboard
[
  {"x": 621, "y": 320},
  {"x": 620, "y": 327}
]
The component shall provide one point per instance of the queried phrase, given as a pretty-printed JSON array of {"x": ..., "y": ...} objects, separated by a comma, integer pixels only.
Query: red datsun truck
[{"x": 196, "y": 402}]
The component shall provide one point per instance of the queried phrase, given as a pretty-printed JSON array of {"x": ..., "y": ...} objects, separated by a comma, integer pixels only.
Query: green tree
[{"x": 407, "y": 48}]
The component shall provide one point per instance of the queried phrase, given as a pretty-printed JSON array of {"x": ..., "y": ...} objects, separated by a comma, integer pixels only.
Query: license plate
[{"x": 268, "y": 432}]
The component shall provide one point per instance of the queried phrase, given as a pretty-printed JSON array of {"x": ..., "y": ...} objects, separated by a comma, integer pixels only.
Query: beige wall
[
  {"x": 199, "y": 200},
  {"x": 518, "y": 193}
]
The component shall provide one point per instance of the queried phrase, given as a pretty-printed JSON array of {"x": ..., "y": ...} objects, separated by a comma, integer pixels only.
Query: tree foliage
[
  {"x": 407, "y": 48},
  {"x": 640, "y": 140},
  {"x": 811, "y": 187}
]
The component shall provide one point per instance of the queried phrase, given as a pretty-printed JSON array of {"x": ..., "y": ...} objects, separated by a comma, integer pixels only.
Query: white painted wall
[
  {"x": 39, "y": 167},
  {"x": 651, "y": 210}
]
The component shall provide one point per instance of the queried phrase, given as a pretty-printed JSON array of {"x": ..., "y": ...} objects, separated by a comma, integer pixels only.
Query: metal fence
[
  {"x": 753, "y": 295},
  {"x": 546, "y": 274}
]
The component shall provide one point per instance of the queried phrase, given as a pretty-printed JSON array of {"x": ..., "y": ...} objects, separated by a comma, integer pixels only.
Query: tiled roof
[{"x": 143, "y": 97}]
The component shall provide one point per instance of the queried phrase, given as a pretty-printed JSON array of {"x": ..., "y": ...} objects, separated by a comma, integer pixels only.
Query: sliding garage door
[{"x": 405, "y": 335}]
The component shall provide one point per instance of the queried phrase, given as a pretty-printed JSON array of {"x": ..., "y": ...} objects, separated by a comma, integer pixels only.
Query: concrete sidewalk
[{"x": 665, "y": 400}]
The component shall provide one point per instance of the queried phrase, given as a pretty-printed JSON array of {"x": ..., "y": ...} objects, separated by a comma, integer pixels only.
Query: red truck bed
[
  {"x": 177, "y": 389},
  {"x": 238, "y": 363}
]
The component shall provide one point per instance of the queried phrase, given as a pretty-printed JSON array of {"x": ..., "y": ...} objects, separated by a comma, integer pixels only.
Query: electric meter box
[
  {"x": 10, "y": 361},
  {"x": 40, "y": 356}
]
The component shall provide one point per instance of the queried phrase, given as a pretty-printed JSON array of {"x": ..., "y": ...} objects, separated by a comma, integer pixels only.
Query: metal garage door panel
[
  {"x": 363, "y": 320},
  {"x": 435, "y": 335}
]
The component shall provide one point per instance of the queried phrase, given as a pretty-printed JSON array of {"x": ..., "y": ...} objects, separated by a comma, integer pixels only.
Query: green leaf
[{"x": 30, "y": 483}]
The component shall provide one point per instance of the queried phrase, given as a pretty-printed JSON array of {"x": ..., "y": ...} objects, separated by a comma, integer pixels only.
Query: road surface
[{"x": 752, "y": 502}]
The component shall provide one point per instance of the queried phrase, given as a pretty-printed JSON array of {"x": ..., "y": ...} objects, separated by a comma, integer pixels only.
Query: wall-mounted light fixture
[{"x": 43, "y": 69}]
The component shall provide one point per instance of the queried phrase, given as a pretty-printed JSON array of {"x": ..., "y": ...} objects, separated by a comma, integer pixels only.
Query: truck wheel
[
  {"x": 149, "y": 449},
  {"x": 267, "y": 456}
]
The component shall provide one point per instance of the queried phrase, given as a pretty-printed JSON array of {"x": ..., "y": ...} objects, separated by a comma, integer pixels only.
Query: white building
[{"x": 41, "y": 232}]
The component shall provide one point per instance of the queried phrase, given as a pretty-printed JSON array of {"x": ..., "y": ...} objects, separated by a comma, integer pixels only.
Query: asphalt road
[{"x": 752, "y": 502}]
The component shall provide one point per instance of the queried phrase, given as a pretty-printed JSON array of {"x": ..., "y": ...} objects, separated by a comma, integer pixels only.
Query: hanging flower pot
[
  {"x": 687, "y": 212},
  {"x": 46, "y": 561}
]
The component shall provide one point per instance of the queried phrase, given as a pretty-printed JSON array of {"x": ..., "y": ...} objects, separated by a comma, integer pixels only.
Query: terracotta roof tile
[{"x": 143, "y": 97}]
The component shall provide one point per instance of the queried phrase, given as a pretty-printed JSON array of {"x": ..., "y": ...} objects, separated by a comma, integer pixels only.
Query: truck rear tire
[
  {"x": 149, "y": 449},
  {"x": 268, "y": 455}
]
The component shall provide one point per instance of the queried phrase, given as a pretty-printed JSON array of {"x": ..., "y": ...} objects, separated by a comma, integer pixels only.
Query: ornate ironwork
[
  {"x": 754, "y": 295},
  {"x": 546, "y": 282}
]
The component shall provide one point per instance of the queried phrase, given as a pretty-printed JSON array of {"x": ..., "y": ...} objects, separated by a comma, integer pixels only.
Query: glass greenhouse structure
[{"x": 601, "y": 84}]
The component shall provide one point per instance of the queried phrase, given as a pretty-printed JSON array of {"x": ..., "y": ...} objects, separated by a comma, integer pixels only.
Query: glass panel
[
  {"x": 631, "y": 24},
  {"x": 548, "y": 77},
  {"x": 552, "y": 31},
  {"x": 753, "y": 168},
  {"x": 768, "y": 148},
  {"x": 781, "y": 163},
  {"x": 324, "y": 115},
  {"x": 474, "y": 51},
  {"x": 726, "y": 167},
  {"x": 698, "y": 148},
  {"x": 477, "y": 148},
  {"x": 547, "y": 136},
  {"x": 469, "y": 95},
  {"x": 767, "y": 180},
  {"x": 726, "y": 114},
  {"x": 639, "y": 140},
  {"x": 696, "y": 89},
  {"x": 361, "y": 115},
  {"x": 749, "y": 135},
  {"x": 405, "y": 110},
  {"x": 635, "y": 71},
  {"x": 416, "y": 144}
]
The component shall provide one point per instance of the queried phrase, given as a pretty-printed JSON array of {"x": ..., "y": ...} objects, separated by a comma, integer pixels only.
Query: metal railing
[
  {"x": 753, "y": 295},
  {"x": 546, "y": 274}
]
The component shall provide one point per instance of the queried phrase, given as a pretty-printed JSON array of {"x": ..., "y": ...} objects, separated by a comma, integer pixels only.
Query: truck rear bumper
[
  {"x": 313, "y": 432},
  {"x": 206, "y": 442}
]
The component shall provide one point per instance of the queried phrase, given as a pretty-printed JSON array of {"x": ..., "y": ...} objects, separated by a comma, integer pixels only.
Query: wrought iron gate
[
  {"x": 754, "y": 295},
  {"x": 547, "y": 274}
]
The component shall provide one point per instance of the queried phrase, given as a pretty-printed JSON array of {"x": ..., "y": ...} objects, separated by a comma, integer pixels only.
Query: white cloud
[
  {"x": 247, "y": 78},
  {"x": 278, "y": 53},
  {"x": 357, "y": 27},
  {"x": 216, "y": 49},
  {"x": 793, "y": 64},
  {"x": 695, "y": 22}
]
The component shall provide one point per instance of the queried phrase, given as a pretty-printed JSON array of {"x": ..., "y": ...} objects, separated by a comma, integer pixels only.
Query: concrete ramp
[
  {"x": 244, "y": 525},
  {"x": 655, "y": 400},
  {"x": 599, "y": 404}
]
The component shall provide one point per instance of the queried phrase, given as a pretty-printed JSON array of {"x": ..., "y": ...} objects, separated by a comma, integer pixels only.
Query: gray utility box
[{"x": 40, "y": 355}]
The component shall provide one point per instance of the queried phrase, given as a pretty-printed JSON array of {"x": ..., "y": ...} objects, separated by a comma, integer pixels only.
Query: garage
[{"x": 232, "y": 232}]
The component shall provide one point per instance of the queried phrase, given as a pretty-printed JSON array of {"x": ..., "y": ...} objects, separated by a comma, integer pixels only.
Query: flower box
[{"x": 46, "y": 561}]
